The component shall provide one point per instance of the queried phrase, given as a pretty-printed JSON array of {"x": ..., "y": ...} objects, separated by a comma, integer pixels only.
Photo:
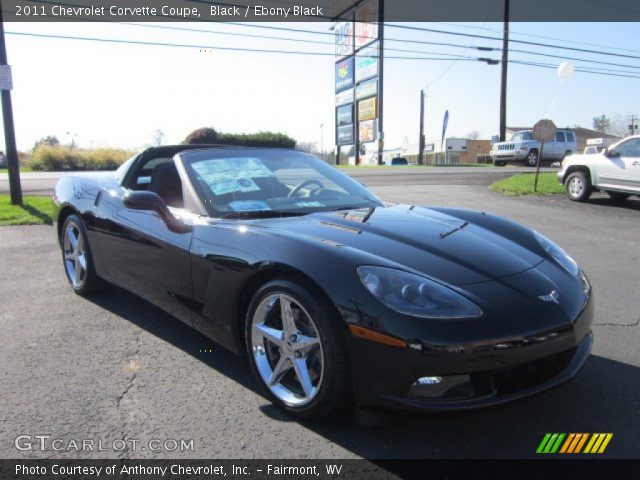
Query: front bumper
[
  {"x": 497, "y": 372},
  {"x": 560, "y": 176},
  {"x": 507, "y": 155}
]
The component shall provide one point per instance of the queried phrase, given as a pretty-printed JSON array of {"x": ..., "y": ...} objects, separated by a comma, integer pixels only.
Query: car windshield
[
  {"x": 262, "y": 182},
  {"x": 520, "y": 136}
]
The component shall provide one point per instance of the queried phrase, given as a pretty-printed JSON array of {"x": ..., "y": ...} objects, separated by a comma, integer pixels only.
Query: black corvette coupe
[{"x": 334, "y": 296}]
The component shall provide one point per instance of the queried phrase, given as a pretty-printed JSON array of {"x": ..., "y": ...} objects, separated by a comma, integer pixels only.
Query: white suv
[{"x": 616, "y": 170}]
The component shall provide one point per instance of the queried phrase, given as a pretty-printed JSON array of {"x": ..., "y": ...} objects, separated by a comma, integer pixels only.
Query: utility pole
[
  {"x": 321, "y": 139},
  {"x": 632, "y": 125},
  {"x": 503, "y": 81},
  {"x": 9, "y": 131},
  {"x": 421, "y": 138}
]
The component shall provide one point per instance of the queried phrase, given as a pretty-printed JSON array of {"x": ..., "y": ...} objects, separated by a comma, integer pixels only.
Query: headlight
[
  {"x": 558, "y": 254},
  {"x": 414, "y": 295}
]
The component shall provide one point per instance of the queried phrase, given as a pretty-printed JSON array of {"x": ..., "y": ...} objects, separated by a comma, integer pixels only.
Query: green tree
[
  {"x": 202, "y": 135},
  {"x": 601, "y": 124},
  {"x": 49, "y": 140}
]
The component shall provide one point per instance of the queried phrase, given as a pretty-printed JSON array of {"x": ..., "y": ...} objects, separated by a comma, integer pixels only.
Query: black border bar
[
  {"x": 318, "y": 10},
  {"x": 317, "y": 469}
]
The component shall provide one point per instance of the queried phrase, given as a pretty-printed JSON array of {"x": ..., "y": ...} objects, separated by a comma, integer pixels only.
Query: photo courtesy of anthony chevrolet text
[{"x": 319, "y": 239}]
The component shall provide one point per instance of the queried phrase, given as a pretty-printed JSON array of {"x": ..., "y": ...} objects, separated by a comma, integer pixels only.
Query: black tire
[
  {"x": 334, "y": 387},
  {"x": 618, "y": 196},
  {"x": 531, "y": 160},
  {"x": 88, "y": 281},
  {"x": 578, "y": 186},
  {"x": 500, "y": 163}
]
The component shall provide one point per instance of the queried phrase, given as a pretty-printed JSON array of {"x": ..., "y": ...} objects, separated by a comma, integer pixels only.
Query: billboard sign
[
  {"x": 344, "y": 97},
  {"x": 367, "y": 131},
  {"x": 344, "y": 74},
  {"x": 368, "y": 109},
  {"x": 366, "y": 26},
  {"x": 344, "y": 115},
  {"x": 345, "y": 135},
  {"x": 367, "y": 62},
  {"x": 367, "y": 89},
  {"x": 344, "y": 39}
]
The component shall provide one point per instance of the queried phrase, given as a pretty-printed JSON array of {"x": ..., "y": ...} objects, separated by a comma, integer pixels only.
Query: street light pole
[{"x": 9, "y": 131}]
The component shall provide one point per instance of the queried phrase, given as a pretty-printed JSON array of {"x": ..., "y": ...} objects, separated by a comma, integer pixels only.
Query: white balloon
[{"x": 565, "y": 70}]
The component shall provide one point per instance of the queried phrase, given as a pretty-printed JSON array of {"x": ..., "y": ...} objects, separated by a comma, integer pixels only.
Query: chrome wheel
[
  {"x": 576, "y": 186},
  {"x": 75, "y": 254},
  {"x": 286, "y": 348},
  {"x": 532, "y": 159}
]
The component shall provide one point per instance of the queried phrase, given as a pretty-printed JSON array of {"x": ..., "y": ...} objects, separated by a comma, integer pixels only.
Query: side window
[
  {"x": 143, "y": 179},
  {"x": 123, "y": 169},
  {"x": 560, "y": 137},
  {"x": 630, "y": 148},
  {"x": 570, "y": 137}
]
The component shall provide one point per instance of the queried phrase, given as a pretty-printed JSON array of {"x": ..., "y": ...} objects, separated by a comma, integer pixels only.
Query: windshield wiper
[
  {"x": 345, "y": 207},
  {"x": 266, "y": 214}
]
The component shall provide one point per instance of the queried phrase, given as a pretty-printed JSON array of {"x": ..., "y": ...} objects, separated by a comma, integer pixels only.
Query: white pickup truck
[{"x": 616, "y": 170}]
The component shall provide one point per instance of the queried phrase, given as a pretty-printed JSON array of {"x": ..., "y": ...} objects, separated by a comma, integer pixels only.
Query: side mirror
[
  {"x": 146, "y": 200},
  {"x": 611, "y": 153}
]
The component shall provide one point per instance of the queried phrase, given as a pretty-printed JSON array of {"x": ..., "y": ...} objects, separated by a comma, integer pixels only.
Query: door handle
[{"x": 636, "y": 164}]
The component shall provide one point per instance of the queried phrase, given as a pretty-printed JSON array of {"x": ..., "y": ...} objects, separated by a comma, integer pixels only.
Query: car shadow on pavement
[
  {"x": 603, "y": 398},
  {"x": 600, "y": 399},
  {"x": 605, "y": 201},
  {"x": 175, "y": 332}
]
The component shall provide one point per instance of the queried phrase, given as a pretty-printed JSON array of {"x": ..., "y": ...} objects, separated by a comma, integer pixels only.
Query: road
[
  {"x": 42, "y": 183},
  {"x": 113, "y": 366}
]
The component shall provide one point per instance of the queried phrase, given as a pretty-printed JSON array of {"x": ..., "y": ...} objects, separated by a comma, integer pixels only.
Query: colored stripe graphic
[
  {"x": 573, "y": 443},
  {"x": 543, "y": 443},
  {"x": 581, "y": 442}
]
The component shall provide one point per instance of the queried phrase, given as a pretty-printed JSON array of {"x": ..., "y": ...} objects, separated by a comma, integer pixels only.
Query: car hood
[{"x": 414, "y": 238}]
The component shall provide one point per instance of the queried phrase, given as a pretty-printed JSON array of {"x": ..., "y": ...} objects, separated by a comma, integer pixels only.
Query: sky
[{"x": 117, "y": 95}]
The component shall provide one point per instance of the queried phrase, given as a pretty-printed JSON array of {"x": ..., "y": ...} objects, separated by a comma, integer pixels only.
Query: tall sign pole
[
  {"x": 380, "y": 79},
  {"x": 7, "y": 115},
  {"x": 503, "y": 80}
]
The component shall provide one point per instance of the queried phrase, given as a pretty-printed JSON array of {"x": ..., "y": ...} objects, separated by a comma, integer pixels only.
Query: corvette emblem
[{"x": 553, "y": 296}]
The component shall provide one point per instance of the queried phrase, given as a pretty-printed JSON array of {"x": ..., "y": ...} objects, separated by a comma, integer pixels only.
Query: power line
[
  {"x": 294, "y": 52},
  {"x": 577, "y": 69},
  {"x": 271, "y": 37},
  {"x": 210, "y": 47},
  {"x": 407, "y": 27},
  {"x": 271, "y": 27},
  {"x": 563, "y": 57},
  {"x": 452, "y": 64},
  {"x": 537, "y": 44},
  {"x": 319, "y": 42},
  {"x": 424, "y": 42},
  {"x": 546, "y": 37}
]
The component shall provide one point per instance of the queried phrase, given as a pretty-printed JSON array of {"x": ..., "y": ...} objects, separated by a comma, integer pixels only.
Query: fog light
[
  {"x": 449, "y": 387},
  {"x": 429, "y": 380}
]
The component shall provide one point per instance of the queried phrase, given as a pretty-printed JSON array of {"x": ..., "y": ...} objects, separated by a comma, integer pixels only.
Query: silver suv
[
  {"x": 616, "y": 170},
  {"x": 524, "y": 148}
]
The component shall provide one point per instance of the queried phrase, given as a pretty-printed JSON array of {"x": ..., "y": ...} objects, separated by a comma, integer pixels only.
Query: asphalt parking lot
[{"x": 114, "y": 366}]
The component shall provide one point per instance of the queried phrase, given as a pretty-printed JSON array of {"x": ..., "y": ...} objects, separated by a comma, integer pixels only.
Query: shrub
[
  {"x": 260, "y": 139},
  {"x": 57, "y": 158},
  {"x": 201, "y": 135}
]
